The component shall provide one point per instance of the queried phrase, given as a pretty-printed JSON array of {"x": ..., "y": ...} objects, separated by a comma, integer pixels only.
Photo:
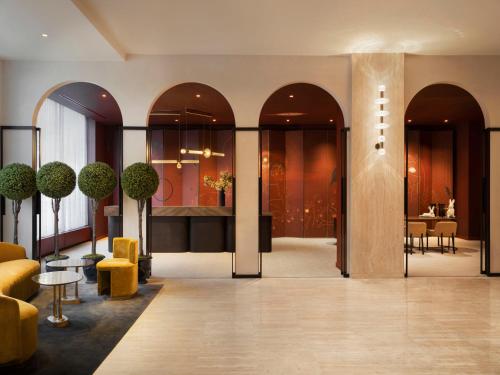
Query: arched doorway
[
  {"x": 80, "y": 123},
  {"x": 302, "y": 174},
  {"x": 445, "y": 162},
  {"x": 191, "y": 146}
]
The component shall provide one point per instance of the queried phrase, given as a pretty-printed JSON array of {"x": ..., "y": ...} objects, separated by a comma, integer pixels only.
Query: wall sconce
[{"x": 381, "y": 125}]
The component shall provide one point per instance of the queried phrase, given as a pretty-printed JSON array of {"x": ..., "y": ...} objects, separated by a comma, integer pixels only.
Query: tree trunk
[
  {"x": 56, "y": 203},
  {"x": 16, "y": 208},
  {"x": 94, "y": 205},
  {"x": 140, "y": 208}
]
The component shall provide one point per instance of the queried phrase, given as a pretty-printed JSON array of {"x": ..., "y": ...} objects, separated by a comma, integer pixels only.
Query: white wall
[
  {"x": 245, "y": 81},
  {"x": 479, "y": 75},
  {"x": 1, "y": 91}
]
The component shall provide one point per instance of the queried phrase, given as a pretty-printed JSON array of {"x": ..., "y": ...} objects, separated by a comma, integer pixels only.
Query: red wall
[
  {"x": 184, "y": 187},
  {"x": 298, "y": 185}
]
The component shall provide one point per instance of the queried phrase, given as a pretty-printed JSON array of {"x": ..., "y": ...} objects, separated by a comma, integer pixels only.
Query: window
[{"x": 64, "y": 139}]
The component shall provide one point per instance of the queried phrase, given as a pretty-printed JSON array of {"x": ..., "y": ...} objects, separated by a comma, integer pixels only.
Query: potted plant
[
  {"x": 224, "y": 182},
  {"x": 56, "y": 180},
  {"x": 140, "y": 181},
  {"x": 17, "y": 182},
  {"x": 97, "y": 181}
]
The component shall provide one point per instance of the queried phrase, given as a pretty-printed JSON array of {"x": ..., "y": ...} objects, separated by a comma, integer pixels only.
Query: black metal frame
[
  {"x": 36, "y": 217},
  {"x": 343, "y": 207}
]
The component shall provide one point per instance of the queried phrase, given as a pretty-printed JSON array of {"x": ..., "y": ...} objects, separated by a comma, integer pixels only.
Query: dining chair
[
  {"x": 444, "y": 229},
  {"x": 418, "y": 230}
]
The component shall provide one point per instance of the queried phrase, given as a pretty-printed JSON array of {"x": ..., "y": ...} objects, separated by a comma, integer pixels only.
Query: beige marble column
[
  {"x": 247, "y": 203},
  {"x": 494, "y": 202},
  {"x": 377, "y": 184}
]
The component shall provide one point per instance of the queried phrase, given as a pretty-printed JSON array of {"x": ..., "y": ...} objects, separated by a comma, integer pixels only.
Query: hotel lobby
[{"x": 249, "y": 187}]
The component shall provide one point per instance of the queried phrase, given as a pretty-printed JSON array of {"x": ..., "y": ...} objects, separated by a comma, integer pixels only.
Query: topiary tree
[
  {"x": 140, "y": 181},
  {"x": 97, "y": 181},
  {"x": 17, "y": 182},
  {"x": 56, "y": 180}
]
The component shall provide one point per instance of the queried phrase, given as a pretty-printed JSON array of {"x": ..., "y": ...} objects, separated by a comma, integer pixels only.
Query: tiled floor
[{"x": 315, "y": 326}]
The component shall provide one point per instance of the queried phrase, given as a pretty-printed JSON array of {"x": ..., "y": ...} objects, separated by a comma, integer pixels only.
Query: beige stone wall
[{"x": 377, "y": 195}]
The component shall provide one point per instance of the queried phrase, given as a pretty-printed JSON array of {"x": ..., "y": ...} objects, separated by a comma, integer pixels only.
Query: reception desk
[{"x": 193, "y": 229}]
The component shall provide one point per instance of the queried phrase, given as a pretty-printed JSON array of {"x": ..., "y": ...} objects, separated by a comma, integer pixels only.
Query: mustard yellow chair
[
  {"x": 18, "y": 319},
  {"x": 118, "y": 276}
]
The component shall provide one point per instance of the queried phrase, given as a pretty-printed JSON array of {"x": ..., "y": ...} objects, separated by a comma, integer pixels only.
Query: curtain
[{"x": 63, "y": 138}]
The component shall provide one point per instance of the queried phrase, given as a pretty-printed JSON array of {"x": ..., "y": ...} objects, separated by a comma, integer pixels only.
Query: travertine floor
[
  {"x": 315, "y": 326},
  {"x": 291, "y": 257},
  {"x": 465, "y": 262}
]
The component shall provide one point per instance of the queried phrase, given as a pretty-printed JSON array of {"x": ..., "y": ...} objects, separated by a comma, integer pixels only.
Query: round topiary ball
[
  {"x": 140, "y": 181},
  {"x": 97, "y": 180},
  {"x": 56, "y": 180},
  {"x": 17, "y": 181}
]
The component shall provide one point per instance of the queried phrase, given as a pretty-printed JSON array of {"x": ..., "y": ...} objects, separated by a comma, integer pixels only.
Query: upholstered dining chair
[
  {"x": 417, "y": 230},
  {"x": 118, "y": 276},
  {"x": 444, "y": 229}
]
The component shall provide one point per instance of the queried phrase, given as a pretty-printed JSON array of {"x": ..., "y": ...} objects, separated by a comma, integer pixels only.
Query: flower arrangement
[{"x": 224, "y": 181}]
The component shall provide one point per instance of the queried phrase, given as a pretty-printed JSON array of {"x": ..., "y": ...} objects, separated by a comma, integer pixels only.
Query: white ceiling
[{"x": 110, "y": 29}]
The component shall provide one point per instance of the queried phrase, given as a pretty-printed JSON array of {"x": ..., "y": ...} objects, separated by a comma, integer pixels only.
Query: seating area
[
  {"x": 20, "y": 280},
  {"x": 442, "y": 230}
]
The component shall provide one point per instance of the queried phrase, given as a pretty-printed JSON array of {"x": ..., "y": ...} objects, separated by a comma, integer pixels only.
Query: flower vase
[{"x": 222, "y": 198}]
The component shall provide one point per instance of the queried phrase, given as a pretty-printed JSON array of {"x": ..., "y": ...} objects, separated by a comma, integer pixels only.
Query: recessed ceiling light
[
  {"x": 331, "y": 120},
  {"x": 43, "y": 35},
  {"x": 290, "y": 96},
  {"x": 287, "y": 120},
  {"x": 446, "y": 121},
  {"x": 409, "y": 120},
  {"x": 104, "y": 95},
  {"x": 198, "y": 95},
  {"x": 214, "y": 120},
  {"x": 176, "y": 120}
]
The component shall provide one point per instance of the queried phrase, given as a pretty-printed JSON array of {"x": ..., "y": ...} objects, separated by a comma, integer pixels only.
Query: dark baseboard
[
  {"x": 257, "y": 276},
  {"x": 493, "y": 274}
]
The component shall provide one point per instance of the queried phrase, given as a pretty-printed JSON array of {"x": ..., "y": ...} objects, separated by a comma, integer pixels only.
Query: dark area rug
[{"x": 96, "y": 326}]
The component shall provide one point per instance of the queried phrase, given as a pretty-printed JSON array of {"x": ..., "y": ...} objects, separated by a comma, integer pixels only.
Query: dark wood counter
[{"x": 192, "y": 229}]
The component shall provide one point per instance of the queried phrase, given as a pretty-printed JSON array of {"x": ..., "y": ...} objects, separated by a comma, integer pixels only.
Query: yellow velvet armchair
[
  {"x": 118, "y": 276},
  {"x": 18, "y": 319}
]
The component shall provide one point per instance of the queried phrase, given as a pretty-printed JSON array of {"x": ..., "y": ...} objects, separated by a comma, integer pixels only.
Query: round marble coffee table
[
  {"x": 57, "y": 280},
  {"x": 64, "y": 264}
]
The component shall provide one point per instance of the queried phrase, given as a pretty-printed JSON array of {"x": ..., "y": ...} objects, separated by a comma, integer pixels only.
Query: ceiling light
[
  {"x": 198, "y": 95},
  {"x": 331, "y": 120},
  {"x": 104, "y": 95},
  {"x": 214, "y": 120},
  {"x": 179, "y": 165},
  {"x": 290, "y": 96},
  {"x": 207, "y": 153},
  {"x": 287, "y": 120},
  {"x": 43, "y": 35},
  {"x": 176, "y": 120},
  {"x": 183, "y": 151},
  {"x": 409, "y": 120},
  {"x": 446, "y": 121}
]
